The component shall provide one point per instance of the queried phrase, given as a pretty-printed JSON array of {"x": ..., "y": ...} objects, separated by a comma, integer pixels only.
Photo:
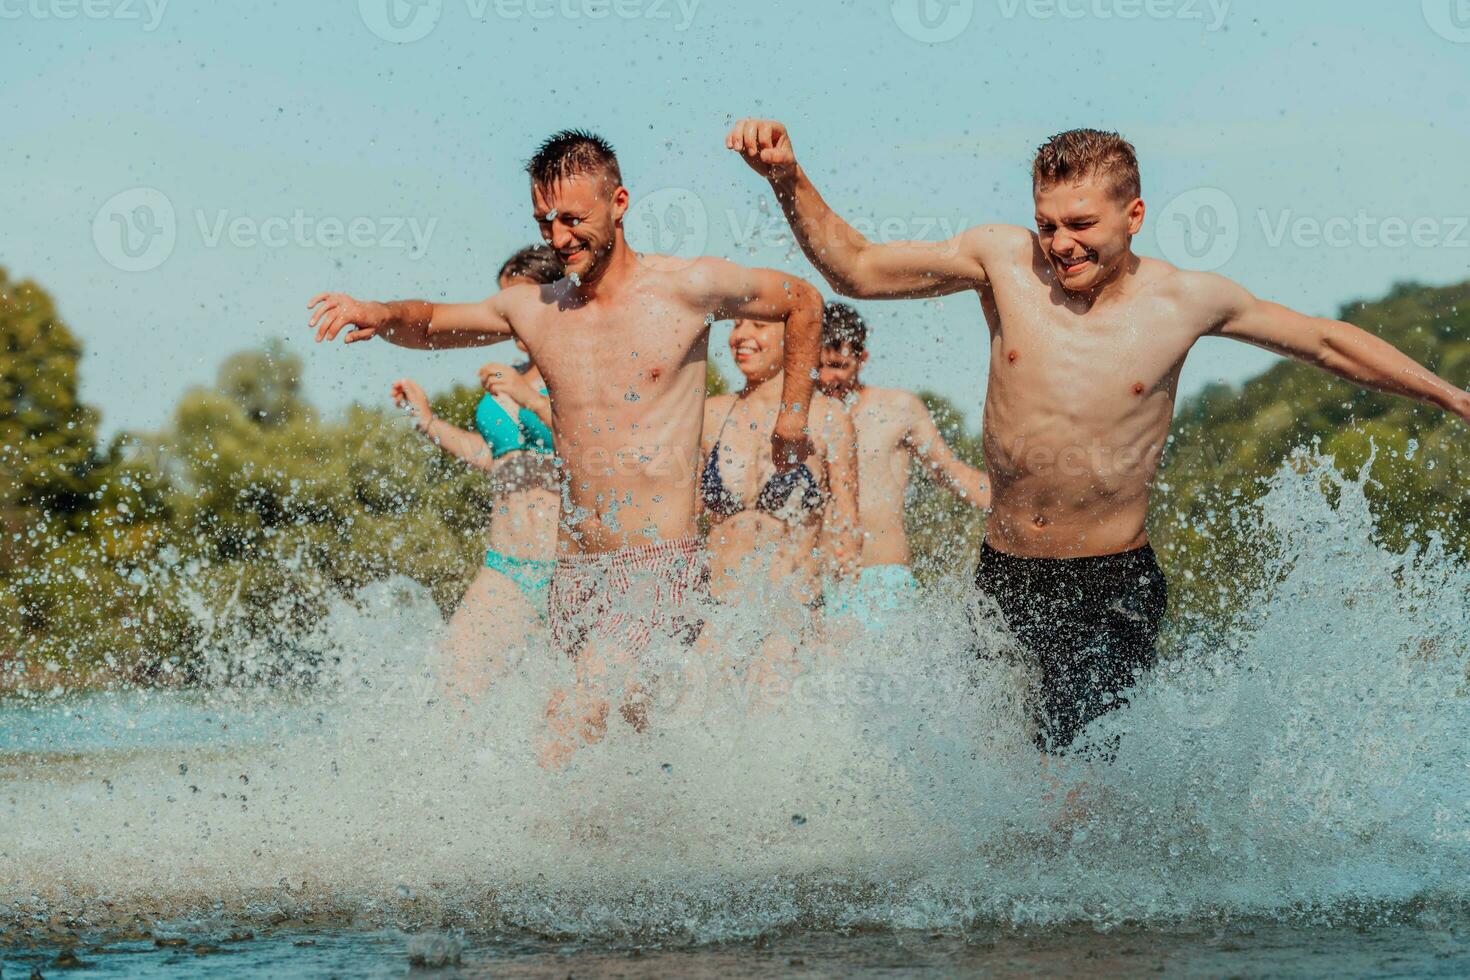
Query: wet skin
[{"x": 1087, "y": 341}]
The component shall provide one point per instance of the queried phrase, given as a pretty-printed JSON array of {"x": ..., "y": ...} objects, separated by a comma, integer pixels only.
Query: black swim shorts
[{"x": 1089, "y": 624}]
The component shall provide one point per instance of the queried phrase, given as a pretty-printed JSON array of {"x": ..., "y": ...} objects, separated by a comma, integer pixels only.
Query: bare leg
[
  {"x": 580, "y": 717},
  {"x": 488, "y": 633}
]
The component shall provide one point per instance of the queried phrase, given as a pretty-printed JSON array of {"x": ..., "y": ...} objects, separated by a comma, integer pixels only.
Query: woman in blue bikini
[{"x": 505, "y": 604}]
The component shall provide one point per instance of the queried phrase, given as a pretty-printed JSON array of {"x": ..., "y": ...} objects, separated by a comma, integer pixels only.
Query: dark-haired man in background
[
  {"x": 1087, "y": 340},
  {"x": 894, "y": 431},
  {"x": 621, "y": 343}
]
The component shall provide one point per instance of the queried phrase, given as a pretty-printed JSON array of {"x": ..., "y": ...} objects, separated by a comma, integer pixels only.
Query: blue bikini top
[{"x": 504, "y": 434}]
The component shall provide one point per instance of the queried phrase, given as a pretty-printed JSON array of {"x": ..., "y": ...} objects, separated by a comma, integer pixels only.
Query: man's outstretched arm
[
  {"x": 730, "y": 292},
  {"x": 851, "y": 264},
  {"x": 926, "y": 445},
  {"x": 412, "y": 323},
  {"x": 1340, "y": 348}
]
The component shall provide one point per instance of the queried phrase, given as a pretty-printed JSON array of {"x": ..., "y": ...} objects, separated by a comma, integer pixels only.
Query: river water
[{"x": 1290, "y": 799}]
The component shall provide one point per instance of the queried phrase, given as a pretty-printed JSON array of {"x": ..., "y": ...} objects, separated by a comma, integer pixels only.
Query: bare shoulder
[
  {"x": 999, "y": 239},
  {"x": 894, "y": 403},
  {"x": 700, "y": 277},
  {"x": 999, "y": 243},
  {"x": 1205, "y": 296},
  {"x": 524, "y": 303}
]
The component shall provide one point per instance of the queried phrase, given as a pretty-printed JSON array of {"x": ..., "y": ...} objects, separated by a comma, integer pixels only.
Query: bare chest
[
  {"x": 1098, "y": 363},
  {"x": 616, "y": 362}
]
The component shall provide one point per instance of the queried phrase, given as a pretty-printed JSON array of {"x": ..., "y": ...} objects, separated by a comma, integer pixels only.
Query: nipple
[
  {"x": 1012, "y": 356},
  {"x": 1138, "y": 387}
]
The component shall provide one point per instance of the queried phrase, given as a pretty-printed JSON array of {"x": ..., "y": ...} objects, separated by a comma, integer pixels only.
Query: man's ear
[
  {"x": 1135, "y": 215},
  {"x": 862, "y": 358},
  {"x": 619, "y": 203}
]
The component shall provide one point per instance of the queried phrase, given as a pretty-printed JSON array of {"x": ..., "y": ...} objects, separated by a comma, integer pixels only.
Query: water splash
[{"x": 1312, "y": 761}]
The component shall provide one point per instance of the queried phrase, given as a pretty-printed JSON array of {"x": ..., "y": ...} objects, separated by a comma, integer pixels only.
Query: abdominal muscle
[{"x": 1056, "y": 501}]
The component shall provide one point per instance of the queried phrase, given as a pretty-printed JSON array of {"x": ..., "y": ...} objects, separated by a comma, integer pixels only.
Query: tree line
[{"x": 250, "y": 513}]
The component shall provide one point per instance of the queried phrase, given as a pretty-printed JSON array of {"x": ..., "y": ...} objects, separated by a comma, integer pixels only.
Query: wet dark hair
[
  {"x": 571, "y": 153},
  {"x": 843, "y": 326},
  {"x": 537, "y": 263},
  {"x": 1081, "y": 153}
]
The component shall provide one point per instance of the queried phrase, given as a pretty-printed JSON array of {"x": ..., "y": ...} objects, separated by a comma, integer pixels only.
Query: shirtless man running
[
  {"x": 894, "y": 430},
  {"x": 1087, "y": 340},
  {"x": 621, "y": 343}
]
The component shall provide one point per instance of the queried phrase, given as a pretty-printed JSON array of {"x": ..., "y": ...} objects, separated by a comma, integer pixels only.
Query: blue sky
[{"x": 299, "y": 151}]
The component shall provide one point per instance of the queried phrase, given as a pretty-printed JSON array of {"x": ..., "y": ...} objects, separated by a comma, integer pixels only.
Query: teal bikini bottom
[{"x": 533, "y": 577}]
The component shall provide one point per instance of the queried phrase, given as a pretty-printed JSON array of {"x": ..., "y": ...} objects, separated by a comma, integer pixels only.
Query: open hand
[{"x": 333, "y": 311}]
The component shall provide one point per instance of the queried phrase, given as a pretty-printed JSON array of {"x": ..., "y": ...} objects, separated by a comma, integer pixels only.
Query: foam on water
[{"x": 1314, "y": 760}]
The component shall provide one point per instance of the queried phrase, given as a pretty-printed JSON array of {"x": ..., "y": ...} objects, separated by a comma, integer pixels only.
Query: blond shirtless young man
[
  {"x": 621, "y": 343},
  {"x": 1087, "y": 342},
  {"x": 894, "y": 431}
]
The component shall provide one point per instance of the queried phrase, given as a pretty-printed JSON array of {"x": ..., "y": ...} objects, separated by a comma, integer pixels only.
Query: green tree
[
  {"x": 944, "y": 532},
  {"x": 1228, "y": 441},
  {"x": 50, "y": 467}
]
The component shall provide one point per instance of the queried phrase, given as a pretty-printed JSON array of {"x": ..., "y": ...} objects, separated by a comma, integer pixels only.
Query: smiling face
[
  {"x": 758, "y": 347},
  {"x": 1086, "y": 231},
  {"x": 580, "y": 217}
]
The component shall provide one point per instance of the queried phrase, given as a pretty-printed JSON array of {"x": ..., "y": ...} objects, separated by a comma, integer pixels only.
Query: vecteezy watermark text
[
  {"x": 937, "y": 21},
  {"x": 310, "y": 231},
  {"x": 1210, "y": 14},
  {"x": 1201, "y": 229},
  {"x": 405, "y": 21},
  {"x": 137, "y": 230},
  {"x": 1364, "y": 230},
  {"x": 148, "y": 12}
]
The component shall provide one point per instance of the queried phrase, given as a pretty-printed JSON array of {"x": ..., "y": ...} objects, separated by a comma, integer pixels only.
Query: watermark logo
[
  {"x": 1450, "y": 19},
  {"x": 766, "y": 229},
  {"x": 1364, "y": 230},
  {"x": 1209, "y": 14},
  {"x": 671, "y": 222},
  {"x": 933, "y": 21},
  {"x": 678, "y": 13},
  {"x": 135, "y": 230},
  {"x": 400, "y": 21},
  {"x": 1199, "y": 229},
  {"x": 405, "y": 21},
  {"x": 147, "y": 12},
  {"x": 303, "y": 230}
]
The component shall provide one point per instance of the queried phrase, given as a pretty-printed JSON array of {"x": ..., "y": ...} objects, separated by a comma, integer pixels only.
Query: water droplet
[
  {"x": 631, "y": 396},
  {"x": 667, "y": 767},
  {"x": 797, "y": 820}
]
